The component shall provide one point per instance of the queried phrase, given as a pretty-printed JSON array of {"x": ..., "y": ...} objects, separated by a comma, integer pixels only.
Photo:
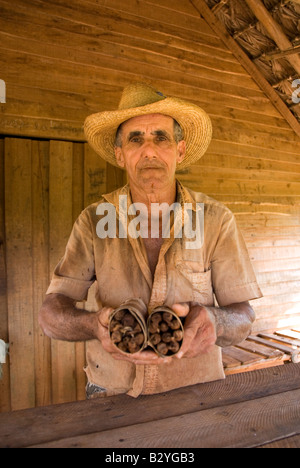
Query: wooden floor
[
  {"x": 263, "y": 350},
  {"x": 252, "y": 409}
]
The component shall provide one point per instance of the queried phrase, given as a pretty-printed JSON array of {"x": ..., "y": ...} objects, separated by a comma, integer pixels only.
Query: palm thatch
[{"x": 252, "y": 36}]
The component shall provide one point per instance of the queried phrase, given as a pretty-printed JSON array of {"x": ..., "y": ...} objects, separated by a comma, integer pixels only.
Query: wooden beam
[
  {"x": 284, "y": 53},
  {"x": 274, "y": 29},
  {"x": 246, "y": 62}
]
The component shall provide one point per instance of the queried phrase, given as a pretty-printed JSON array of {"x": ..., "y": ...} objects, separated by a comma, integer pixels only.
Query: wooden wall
[{"x": 62, "y": 61}]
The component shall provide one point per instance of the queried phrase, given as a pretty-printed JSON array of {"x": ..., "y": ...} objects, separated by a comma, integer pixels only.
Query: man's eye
[
  {"x": 135, "y": 140},
  {"x": 161, "y": 138}
]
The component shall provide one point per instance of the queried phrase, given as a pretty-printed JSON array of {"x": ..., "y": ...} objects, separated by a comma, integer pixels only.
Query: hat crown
[{"x": 139, "y": 95}]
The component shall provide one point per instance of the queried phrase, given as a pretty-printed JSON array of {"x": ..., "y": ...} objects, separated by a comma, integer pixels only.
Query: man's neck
[{"x": 147, "y": 197}]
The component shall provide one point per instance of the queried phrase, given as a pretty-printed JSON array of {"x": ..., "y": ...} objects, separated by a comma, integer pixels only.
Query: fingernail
[{"x": 179, "y": 355}]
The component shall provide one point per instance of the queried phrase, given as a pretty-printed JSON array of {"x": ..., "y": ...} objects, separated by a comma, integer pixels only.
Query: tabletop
[{"x": 253, "y": 409}]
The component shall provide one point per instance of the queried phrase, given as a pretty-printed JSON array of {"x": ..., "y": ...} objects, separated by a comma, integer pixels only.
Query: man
[{"x": 151, "y": 136}]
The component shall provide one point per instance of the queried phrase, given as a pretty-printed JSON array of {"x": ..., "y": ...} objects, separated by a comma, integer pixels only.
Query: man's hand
[
  {"x": 199, "y": 330},
  {"x": 206, "y": 326}
]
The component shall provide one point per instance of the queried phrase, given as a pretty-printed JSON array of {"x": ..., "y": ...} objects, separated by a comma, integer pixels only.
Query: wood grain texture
[
  {"x": 84, "y": 420},
  {"x": 243, "y": 425},
  {"x": 18, "y": 226},
  {"x": 62, "y": 62}
]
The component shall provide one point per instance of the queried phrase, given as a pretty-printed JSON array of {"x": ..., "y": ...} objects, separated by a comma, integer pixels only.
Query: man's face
[{"x": 149, "y": 152}]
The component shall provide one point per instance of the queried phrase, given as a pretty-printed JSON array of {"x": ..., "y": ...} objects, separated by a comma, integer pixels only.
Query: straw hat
[{"x": 140, "y": 99}]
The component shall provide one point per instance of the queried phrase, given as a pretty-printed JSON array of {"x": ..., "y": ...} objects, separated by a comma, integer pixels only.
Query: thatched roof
[{"x": 255, "y": 39}]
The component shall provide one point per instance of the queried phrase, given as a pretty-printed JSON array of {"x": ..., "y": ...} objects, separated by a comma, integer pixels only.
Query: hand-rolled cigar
[
  {"x": 174, "y": 346},
  {"x": 178, "y": 335},
  {"x": 175, "y": 324},
  {"x": 155, "y": 339},
  {"x": 167, "y": 337},
  {"x": 127, "y": 326},
  {"x": 163, "y": 326},
  {"x": 162, "y": 348},
  {"x": 165, "y": 331},
  {"x": 116, "y": 336}
]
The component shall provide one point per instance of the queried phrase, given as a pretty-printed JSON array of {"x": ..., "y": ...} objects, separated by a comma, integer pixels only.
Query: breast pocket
[{"x": 198, "y": 281}]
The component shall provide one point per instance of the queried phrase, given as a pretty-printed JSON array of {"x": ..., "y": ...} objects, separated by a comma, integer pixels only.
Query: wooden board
[
  {"x": 4, "y": 382},
  {"x": 18, "y": 227},
  {"x": 262, "y": 350},
  {"x": 61, "y": 222},
  {"x": 40, "y": 259},
  {"x": 220, "y": 401}
]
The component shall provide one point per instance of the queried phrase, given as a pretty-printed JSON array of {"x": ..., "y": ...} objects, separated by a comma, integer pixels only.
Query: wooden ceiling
[{"x": 265, "y": 37}]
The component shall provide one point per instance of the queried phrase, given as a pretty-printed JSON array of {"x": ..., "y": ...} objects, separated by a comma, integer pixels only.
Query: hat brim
[{"x": 100, "y": 129}]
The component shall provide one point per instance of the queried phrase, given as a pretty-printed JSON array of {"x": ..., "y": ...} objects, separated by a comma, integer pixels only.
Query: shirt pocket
[{"x": 190, "y": 275}]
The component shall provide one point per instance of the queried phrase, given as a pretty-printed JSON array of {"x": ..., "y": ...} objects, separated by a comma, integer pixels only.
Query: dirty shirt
[{"x": 216, "y": 273}]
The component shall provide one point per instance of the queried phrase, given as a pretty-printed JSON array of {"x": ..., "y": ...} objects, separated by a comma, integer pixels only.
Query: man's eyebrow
[
  {"x": 160, "y": 133},
  {"x": 135, "y": 134}
]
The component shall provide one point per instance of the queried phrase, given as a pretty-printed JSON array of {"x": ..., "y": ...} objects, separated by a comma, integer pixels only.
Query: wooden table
[{"x": 253, "y": 409}]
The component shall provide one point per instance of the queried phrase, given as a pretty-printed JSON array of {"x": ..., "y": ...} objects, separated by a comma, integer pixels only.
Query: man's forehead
[{"x": 148, "y": 120}]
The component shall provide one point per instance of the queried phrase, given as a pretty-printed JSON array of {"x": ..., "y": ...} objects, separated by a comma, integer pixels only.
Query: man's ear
[
  {"x": 119, "y": 156},
  {"x": 181, "y": 148}
]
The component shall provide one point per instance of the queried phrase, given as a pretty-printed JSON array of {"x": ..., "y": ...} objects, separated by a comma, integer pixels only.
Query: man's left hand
[{"x": 199, "y": 329}]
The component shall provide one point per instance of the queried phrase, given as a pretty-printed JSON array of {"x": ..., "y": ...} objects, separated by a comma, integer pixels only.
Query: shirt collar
[{"x": 184, "y": 196}]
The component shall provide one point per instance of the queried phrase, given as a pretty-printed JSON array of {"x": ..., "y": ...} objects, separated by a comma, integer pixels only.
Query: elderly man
[{"x": 151, "y": 136}]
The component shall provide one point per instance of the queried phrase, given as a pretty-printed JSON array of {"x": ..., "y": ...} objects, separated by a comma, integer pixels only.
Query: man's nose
[{"x": 149, "y": 150}]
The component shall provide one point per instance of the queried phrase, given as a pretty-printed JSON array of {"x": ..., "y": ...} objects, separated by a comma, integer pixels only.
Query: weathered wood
[
  {"x": 43, "y": 425},
  {"x": 4, "y": 382},
  {"x": 40, "y": 246},
  {"x": 77, "y": 207},
  {"x": 94, "y": 48},
  {"x": 18, "y": 224},
  {"x": 61, "y": 221},
  {"x": 260, "y": 421},
  {"x": 289, "y": 442}
]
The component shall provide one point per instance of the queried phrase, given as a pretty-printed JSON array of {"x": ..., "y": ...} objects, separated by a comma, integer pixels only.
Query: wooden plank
[
  {"x": 110, "y": 29},
  {"x": 290, "y": 334},
  {"x": 115, "y": 178},
  {"x": 40, "y": 260},
  {"x": 78, "y": 206},
  {"x": 94, "y": 176},
  {"x": 289, "y": 442},
  {"x": 4, "y": 382},
  {"x": 278, "y": 338},
  {"x": 60, "y": 222},
  {"x": 229, "y": 361},
  {"x": 18, "y": 224},
  {"x": 263, "y": 364},
  {"x": 261, "y": 350},
  {"x": 43, "y": 425},
  {"x": 260, "y": 421},
  {"x": 214, "y": 68},
  {"x": 145, "y": 14},
  {"x": 281, "y": 347},
  {"x": 245, "y": 357}
]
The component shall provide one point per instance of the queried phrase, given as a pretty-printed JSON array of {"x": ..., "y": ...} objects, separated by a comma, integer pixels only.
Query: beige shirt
[{"x": 219, "y": 270}]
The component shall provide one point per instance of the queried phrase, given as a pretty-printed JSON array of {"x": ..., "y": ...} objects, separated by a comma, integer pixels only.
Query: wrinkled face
[{"x": 149, "y": 152}]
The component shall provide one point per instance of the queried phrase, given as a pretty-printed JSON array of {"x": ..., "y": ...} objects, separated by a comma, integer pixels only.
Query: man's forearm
[
  {"x": 233, "y": 323},
  {"x": 61, "y": 320}
]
